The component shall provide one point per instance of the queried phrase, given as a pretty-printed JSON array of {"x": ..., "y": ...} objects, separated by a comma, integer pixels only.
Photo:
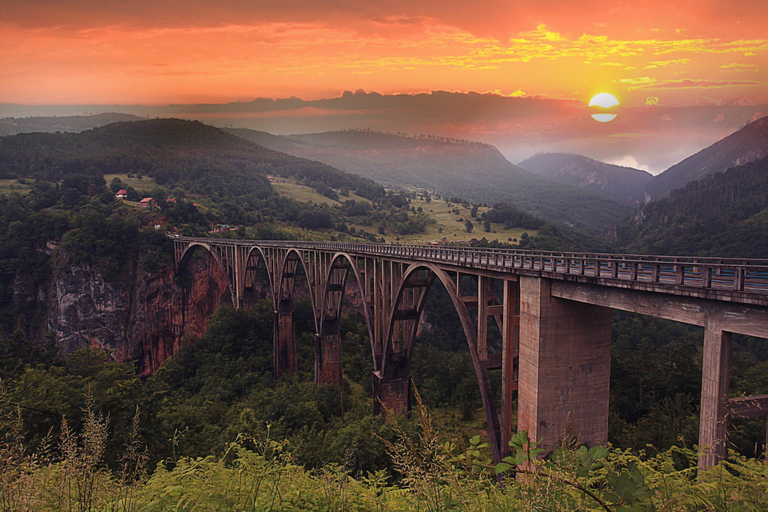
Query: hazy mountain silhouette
[
  {"x": 746, "y": 145},
  {"x": 622, "y": 184},
  {"x": 13, "y": 126}
]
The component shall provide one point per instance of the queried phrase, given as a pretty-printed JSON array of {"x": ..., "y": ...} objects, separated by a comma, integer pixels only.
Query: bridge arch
[
  {"x": 186, "y": 257},
  {"x": 254, "y": 257},
  {"x": 403, "y": 323},
  {"x": 328, "y": 367},
  {"x": 285, "y": 358}
]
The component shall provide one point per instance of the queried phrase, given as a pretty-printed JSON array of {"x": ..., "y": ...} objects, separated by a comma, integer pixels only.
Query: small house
[
  {"x": 121, "y": 195},
  {"x": 147, "y": 202}
]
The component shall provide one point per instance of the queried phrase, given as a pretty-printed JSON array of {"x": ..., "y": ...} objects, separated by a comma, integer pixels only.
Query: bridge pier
[
  {"x": 715, "y": 380},
  {"x": 394, "y": 388},
  {"x": 564, "y": 367},
  {"x": 328, "y": 368},
  {"x": 284, "y": 359}
]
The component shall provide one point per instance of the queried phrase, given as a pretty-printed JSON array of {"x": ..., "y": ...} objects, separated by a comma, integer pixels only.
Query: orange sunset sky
[{"x": 672, "y": 64}]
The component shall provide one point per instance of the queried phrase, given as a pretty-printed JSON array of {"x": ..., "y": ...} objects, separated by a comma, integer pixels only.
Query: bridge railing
[{"x": 727, "y": 274}]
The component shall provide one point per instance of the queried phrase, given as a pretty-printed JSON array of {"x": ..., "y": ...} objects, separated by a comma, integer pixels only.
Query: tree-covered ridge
[
  {"x": 748, "y": 144},
  {"x": 198, "y": 158},
  {"x": 725, "y": 214}
]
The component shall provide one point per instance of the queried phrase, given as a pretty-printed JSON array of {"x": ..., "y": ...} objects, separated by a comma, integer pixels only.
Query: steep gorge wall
[{"x": 143, "y": 321}]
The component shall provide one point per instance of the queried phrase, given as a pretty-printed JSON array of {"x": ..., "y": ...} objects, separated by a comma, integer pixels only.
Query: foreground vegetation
[
  {"x": 211, "y": 430},
  {"x": 259, "y": 474}
]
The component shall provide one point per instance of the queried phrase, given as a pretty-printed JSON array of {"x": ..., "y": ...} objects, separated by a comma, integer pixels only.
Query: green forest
[{"x": 212, "y": 429}]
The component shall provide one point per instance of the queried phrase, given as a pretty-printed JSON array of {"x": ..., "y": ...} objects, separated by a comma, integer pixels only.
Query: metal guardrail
[{"x": 726, "y": 274}]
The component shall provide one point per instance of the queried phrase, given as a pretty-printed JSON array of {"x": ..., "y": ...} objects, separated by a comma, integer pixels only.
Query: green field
[
  {"x": 446, "y": 224},
  {"x": 305, "y": 194},
  {"x": 13, "y": 186},
  {"x": 453, "y": 229},
  {"x": 144, "y": 184}
]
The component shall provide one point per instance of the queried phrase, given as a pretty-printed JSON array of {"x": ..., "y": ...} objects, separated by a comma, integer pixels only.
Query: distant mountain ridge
[
  {"x": 746, "y": 145},
  {"x": 474, "y": 171},
  {"x": 622, "y": 184},
  {"x": 14, "y": 126}
]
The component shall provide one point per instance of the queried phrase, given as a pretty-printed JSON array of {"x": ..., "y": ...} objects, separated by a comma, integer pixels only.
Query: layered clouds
[{"x": 689, "y": 68}]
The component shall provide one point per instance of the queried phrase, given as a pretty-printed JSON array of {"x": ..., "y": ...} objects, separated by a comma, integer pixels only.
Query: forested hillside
[
  {"x": 12, "y": 126},
  {"x": 748, "y": 144},
  {"x": 725, "y": 214}
]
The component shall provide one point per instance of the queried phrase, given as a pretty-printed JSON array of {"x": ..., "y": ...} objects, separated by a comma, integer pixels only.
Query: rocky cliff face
[{"x": 144, "y": 321}]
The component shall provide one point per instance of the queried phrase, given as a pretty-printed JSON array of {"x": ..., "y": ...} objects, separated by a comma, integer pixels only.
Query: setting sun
[{"x": 605, "y": 101}]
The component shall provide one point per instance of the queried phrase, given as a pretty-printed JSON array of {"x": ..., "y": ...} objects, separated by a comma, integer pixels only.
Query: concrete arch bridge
[{"x": 553, "y": 311}]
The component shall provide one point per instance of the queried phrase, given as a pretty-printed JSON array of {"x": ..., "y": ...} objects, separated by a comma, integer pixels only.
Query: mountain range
[
  {"x": 16, "y": 125},
  {"x": 572, "y": 189},
  {"x": 621, "y": 184},
  {"x": 474, "y": 171}
]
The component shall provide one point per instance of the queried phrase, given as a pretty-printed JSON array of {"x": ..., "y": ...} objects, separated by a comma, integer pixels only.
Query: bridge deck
[{"x": 727, "y": 279}]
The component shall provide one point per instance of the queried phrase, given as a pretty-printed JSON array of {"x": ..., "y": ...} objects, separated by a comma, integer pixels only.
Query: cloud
[
  {"x": 687, "y": 83},
  {"x": 663, "y": 63},
  {"x": 652, "y": 101},
  {"x": 628, "y": 161},
  {"x": 738, "y": 66},
  {"x": 719, "y": 119}
]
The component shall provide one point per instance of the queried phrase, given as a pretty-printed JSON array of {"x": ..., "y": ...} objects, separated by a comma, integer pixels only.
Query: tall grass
[{"x": 433, "y": 476}]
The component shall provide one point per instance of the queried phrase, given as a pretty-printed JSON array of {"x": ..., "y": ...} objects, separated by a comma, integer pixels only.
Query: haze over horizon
[{"x": 516, "y": 75}]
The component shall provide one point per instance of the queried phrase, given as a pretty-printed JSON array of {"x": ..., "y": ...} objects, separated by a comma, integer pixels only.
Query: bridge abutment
[{"x": 564, "y": 367}]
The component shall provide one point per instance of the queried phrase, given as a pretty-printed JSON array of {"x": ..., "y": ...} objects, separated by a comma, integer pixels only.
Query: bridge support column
[
  {"x": 714, "y": 394},
  {"x": 394, "y": 389},
  {"x": 509, "y": 358},
  {"x": 328, "y": 360},
  {"x": 564, "y": 367},
  {"x": 284, "y": 341}
]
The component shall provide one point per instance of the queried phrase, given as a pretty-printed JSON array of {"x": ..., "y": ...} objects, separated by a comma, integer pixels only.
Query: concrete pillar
[
  {"x": 394, "y": 387},
  {"x": 564, "y": 367},
  {"x": 510, "y": 347},
  {"x": 715, "y": 378},
  {"x": 328, "y": 363},
  {"x": 284, "y": 342}
]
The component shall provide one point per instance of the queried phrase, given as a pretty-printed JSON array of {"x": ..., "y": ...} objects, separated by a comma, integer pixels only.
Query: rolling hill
[{"x": 13, "y": 126}]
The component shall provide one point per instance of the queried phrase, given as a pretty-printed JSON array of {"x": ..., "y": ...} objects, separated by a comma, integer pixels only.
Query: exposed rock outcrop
[{"x": 144, "y": 321}]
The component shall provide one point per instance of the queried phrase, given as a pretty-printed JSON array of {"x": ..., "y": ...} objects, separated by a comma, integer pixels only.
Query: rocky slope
[
  {"x": 621, "y": 184},
  {"x": 144, "y": 321}
]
